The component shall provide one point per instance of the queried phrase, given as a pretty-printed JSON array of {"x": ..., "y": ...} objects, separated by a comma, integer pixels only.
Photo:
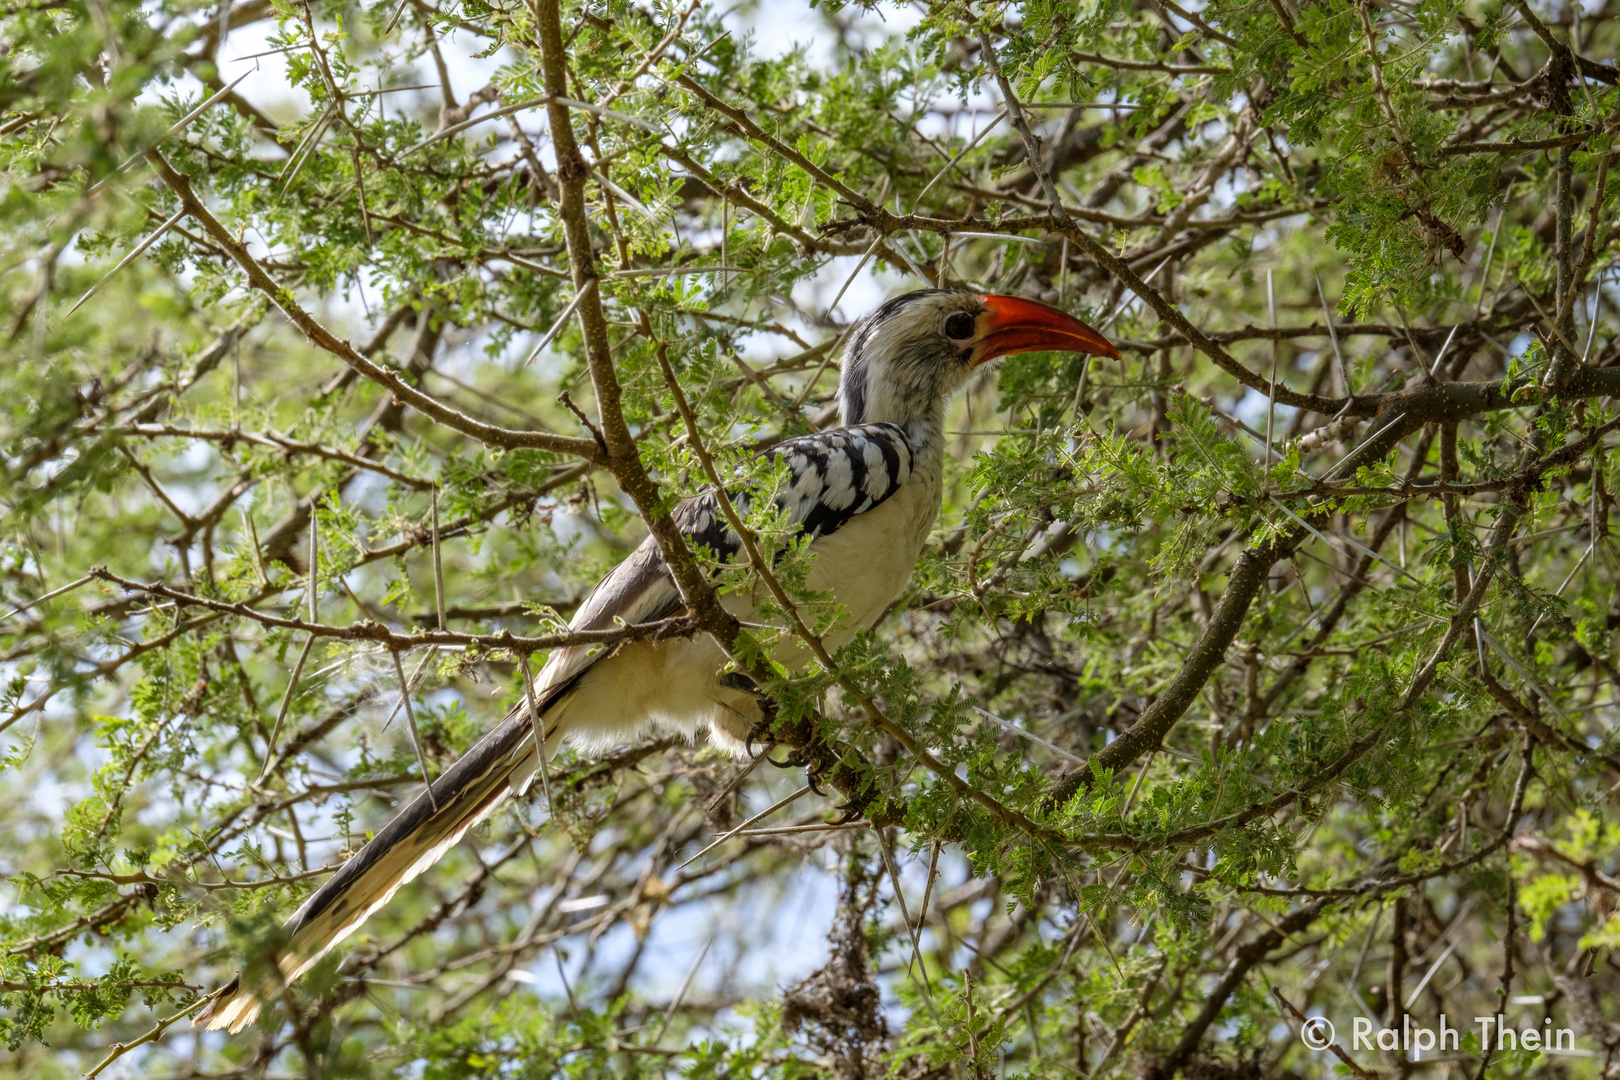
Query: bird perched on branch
[{"x": 867, "y": 493}]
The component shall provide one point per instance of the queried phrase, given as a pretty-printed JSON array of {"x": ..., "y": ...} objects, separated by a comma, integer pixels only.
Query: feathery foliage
[{"x": 1271, "y": 671}]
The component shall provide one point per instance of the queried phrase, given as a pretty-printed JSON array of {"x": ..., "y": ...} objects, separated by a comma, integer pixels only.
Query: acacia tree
[{"x": 1267, "y": 673}]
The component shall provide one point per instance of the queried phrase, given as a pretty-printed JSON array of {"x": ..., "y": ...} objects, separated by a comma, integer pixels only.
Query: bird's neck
[
  {"x": 925, "y": 430},
  {"x": 927, "y": 437}
]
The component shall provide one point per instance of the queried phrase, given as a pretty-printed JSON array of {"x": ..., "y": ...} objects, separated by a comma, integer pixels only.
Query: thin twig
[
  {"x": 534, "y": 730},
  {"x": 177, "y": 127},
  {"x": 303, "y": 656},
  {"x": 912, "y": 930},
  {"x": 674, "y": 1006},
  {"x": 119, "y": 1049},
  {"x": 53, "y": 594},
  {"x": 410, "y": 720},
  {"x": 135, "y": 253},
  {"x": 438, "y": 565},
  {"x": 1271, "y": 402},
  {"x": 765, "y": 813}
]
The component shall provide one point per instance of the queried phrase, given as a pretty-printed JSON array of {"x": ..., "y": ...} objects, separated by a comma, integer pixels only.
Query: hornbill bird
[{"x": 867, "y": 493}]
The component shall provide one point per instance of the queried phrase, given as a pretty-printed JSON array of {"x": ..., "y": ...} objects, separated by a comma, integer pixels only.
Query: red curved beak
[{"x": 1017, "y": 325}]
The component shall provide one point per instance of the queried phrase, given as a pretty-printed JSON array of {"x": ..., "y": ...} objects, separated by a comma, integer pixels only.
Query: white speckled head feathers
[{"x": 909, "y": 355}]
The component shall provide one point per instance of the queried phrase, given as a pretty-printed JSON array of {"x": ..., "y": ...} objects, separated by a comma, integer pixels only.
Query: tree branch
[{"x": 260, "y": 280}]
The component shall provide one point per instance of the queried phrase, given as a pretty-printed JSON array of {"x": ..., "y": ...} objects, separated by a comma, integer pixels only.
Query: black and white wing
[{"x": 833, "y": 476}]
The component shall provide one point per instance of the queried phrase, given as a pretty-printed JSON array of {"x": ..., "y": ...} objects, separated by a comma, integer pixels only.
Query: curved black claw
[
  {"x": 813, "y": 775},
  {"x": 846, "y": 814},
  {"x": 762, "y": 730},
  {"x": 755, "y": 734},
  {"x": 761, "y": 733}
]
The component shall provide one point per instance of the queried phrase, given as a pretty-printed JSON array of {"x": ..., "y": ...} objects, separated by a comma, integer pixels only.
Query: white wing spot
[
  {"x": 806, "y": 484},
  {"x": 840, "y": 482},
  {"x": 877, "y": 473}
]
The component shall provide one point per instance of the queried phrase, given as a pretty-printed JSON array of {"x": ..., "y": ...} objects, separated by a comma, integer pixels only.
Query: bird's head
[{"x": 912, "y": 353}]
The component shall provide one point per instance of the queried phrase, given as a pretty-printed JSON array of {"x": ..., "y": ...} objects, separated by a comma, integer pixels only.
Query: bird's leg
[{"x": 763, "y": 729}]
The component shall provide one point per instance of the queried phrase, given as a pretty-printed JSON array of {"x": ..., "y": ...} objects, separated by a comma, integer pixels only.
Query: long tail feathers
[{"x": 503, "y": 763}]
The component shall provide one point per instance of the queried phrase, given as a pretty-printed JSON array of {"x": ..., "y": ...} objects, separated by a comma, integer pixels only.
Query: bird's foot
[{"x": 763, "y": 730}]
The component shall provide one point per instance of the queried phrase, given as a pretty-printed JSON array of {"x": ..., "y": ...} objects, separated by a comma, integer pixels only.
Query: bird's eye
[{"x": 959, "y": 327}]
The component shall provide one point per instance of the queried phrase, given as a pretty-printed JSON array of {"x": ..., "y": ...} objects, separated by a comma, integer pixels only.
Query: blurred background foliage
[{"x": 1354, "y": 731}]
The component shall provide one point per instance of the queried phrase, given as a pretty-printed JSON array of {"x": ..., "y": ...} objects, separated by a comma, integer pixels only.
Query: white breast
[{"x": 868, "y": 562}]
